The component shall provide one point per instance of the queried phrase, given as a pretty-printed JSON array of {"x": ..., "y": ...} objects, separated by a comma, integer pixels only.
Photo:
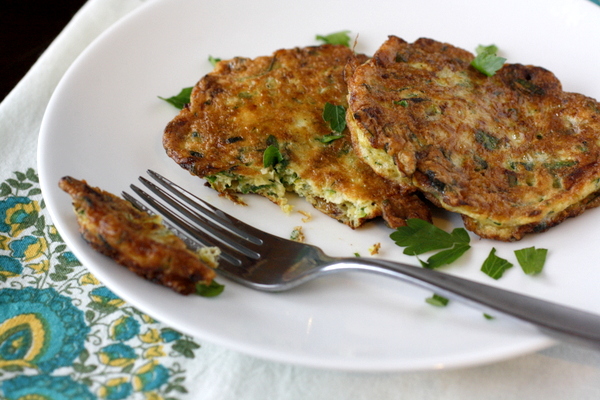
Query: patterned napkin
[{"x": 63, "y": 335}]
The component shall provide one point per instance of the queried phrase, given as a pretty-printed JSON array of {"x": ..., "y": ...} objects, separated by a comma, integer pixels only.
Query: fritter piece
[
  {"x": 513, "y": 153},
  {"x": 135, "y": 239},
  {"x": 246, "y": 106}
]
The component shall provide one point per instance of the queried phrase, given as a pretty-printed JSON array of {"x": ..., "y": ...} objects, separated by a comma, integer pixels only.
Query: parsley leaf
[
  {"x": 492, "y": 48},
  {"x": 420, "y": 236},
  {"x": 272, "y": 156},
  {"x": 445, "y": 257},
  {"x": 531, "y": 259},
  {"x": 213, "y": 60},
  {"x": 329, "y": 138},
  {"x": 495, "y": 266},
  {"x": 336, "y": 116},
  {"x": 437, "y": 300},
  {"x": 487, "y": 62},
  {"x": 211, "y": 290},
  {"x": 336, "y": 38},
  {"x": 181, "y": 99}
]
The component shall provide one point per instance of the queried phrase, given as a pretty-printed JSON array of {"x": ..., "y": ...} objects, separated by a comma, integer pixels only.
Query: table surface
[{"x": 26, "y": 29}]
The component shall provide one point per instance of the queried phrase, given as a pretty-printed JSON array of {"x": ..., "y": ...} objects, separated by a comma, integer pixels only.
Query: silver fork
[{"x": 266, "y": 262}]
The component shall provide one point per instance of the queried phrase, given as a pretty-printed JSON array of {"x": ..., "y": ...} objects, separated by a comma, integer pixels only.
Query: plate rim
[{"x": 61, "y": 226}]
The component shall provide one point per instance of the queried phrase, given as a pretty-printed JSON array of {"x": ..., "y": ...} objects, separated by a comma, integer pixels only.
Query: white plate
[{"x": 104, "y": 124}]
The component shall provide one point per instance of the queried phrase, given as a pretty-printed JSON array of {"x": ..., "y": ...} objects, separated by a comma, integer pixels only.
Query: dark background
[{"x": 27, "y": 27}]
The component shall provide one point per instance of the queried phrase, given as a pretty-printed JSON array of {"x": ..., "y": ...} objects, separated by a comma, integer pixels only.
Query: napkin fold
[{"x": 110, "y": 350}]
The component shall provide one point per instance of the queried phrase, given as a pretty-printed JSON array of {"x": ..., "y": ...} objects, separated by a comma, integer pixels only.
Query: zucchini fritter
[
  {"x": 247, "y": 105},
  {"x": 135, "y": 239},
  {"x": 513, "y": 153}
]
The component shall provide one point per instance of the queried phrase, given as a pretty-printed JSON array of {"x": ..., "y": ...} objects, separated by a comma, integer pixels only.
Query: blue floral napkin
[{"x": 63, "y": 334}]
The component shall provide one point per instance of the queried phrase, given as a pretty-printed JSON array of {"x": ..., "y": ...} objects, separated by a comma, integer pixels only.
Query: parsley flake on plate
[
  {"x": 437, "y": 300},
  {"x": 495, "y": 266},
  {"x": 420, "y": 237},
  {"x": 181, "y": 99},
  {"x": 211, "y": 290},
  {"x": 531, "y": 259}
]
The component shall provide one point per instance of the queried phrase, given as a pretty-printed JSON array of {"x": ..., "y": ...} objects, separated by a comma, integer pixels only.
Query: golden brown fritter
[
  {"x": 513, "y": 153},
  {"x": 135, "y": 239},
  {"x": 246, "y": 106}
]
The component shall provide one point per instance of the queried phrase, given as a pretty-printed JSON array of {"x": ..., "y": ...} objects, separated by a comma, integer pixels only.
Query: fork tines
[{"x": 198, "y": 219}]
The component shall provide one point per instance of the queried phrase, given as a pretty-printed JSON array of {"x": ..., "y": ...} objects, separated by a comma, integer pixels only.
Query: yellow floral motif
[
  {"x": 149, "y": 377},
  {"x": 116, "y": 302},
  {"x": 151, "y": 336},
  {"x": 41, "y": 267},
  {"x": 111, "y": 385},
  {"x": 4, "y": 242},
  {"x": 119, "y": 362},
  {"x": 36, "y": 249},
  {"x": 148, "y": 319},
  {"x": 88, "y": 279},
  {"x": 153, "y": 396},
  {"x": 28, "y": 208},
  {"x": 9, "y": 274},
  {"x": 154, "y": 352},
  {"x": 117, "y": 355}
]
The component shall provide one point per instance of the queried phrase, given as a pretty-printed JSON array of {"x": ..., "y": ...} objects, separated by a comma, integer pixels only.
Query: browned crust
[
  {"x": 237, "y": 107},
  {"x": 513, "y": 153},
  {"x": 135, "y": 239}
]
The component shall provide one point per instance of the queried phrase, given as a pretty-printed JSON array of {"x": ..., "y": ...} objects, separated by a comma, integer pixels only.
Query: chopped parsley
[
  {"x": 211, "y": 290},
  {"x": 486, "y": 61},
  {"x": 213, "y": 60},
  {"x": 487, "y": 140},
  {"x": 181, "y": 99},
  {"x": 272, "y": 156},
  {"x": 531, "y": 259},
  {"x": 494, "y": 266},
  {"x": 329, "y": 138},
  {"x": 437, "y": 300},
  {"x": 336, "y": 116},
  {"x": 420, "y": 236},
  {"x": 341, "y": 37}
]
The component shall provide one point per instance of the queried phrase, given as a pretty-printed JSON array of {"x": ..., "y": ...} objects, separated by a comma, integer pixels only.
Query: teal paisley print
[
  {"x": 39, "y": 328},
  {"x": 62, "y": 334},
  {"x": 45, "y": 387}
]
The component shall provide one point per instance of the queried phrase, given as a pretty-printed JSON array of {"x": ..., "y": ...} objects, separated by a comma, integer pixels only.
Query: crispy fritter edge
[{"x": 115, "y": 228}]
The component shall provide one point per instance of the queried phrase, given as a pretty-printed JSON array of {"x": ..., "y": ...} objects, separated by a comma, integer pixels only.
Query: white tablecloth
[{"x": 212, "y": 372}]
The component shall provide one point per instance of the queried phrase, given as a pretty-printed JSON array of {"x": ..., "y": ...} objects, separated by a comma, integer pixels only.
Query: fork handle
[{"x": 555, "y": 320}]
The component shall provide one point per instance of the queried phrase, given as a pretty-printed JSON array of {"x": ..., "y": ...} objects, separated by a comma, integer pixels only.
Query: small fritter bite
[
  {"x": 513, "y": 153},
  {"x": 257, "y": 126},
  {"x": 135, "y": 239}
]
